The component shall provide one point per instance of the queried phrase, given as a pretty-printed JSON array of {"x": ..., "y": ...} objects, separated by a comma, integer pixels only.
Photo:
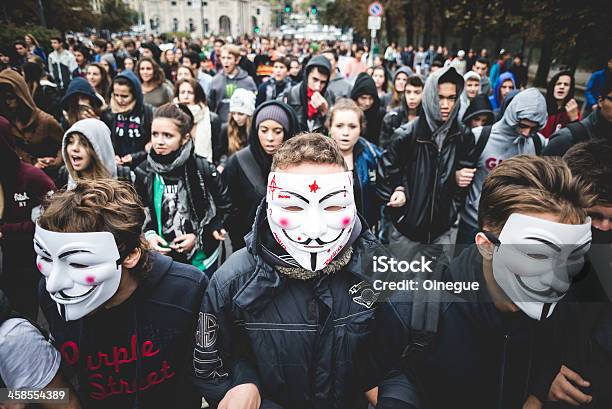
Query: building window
[
  {"x": 258, "y": 12},
  {"x": 173, "y": 2},
  {"x": 189, "y": 3},
  {"x": 225, "y": 25},
  {"x": 175, "y": 24}
]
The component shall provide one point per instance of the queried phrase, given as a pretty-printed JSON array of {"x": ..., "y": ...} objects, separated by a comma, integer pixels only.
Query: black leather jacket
[{"x": 427, "y": 173}]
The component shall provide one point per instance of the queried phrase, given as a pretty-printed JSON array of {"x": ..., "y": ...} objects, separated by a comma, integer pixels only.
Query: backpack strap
[
  {"x": 472, "y": 155},
  {"x": 537, "y": 143},
  {"x": 425, "y": 312},
  {"x": 249, "y": 167},
  {"x": 482, "y": 141}
]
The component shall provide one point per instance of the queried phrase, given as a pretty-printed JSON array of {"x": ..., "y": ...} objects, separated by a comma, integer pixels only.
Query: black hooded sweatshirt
[
  {"x": 245, "y": 197},
  {"x": 134, "y": 355},
  {"x": 131, "y": 131},
  {"x": 480, "y": 105},
  {"x": 297, "y": 97},
  {"x": 365, "y": 85}
]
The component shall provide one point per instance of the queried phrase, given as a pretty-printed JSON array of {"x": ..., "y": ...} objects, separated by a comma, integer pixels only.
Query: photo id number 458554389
[{"x": 55, "y": 395}]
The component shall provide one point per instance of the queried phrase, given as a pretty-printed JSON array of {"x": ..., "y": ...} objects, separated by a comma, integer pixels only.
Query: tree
[{"x": 116, "y": 16}]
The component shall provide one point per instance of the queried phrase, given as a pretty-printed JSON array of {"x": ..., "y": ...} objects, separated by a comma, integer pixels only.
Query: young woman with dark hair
[
  {"x": 206, "y": 132},
  {"x": 154, "y": 87},
  {"x": 188, "y": 201}
]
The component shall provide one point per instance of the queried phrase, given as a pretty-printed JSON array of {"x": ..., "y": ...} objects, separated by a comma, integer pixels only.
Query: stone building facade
[{"x": 205, "y": 17}]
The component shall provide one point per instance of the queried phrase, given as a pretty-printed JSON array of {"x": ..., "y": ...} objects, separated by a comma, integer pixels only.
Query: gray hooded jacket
[
  {"x": 99, "y": 136},
  {"x": 222, "y": 87},
  {"x": 505, "y": 142}
]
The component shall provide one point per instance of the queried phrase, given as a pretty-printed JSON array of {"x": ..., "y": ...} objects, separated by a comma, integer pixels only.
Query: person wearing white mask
[
  {"x": 289, "y": 321},
  {"x": 533, "y": 234},
  {"x": 120, "y": 315}
]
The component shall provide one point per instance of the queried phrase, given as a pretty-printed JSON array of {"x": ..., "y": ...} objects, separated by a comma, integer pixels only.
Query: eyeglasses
[{"x": 608, "y": 97}]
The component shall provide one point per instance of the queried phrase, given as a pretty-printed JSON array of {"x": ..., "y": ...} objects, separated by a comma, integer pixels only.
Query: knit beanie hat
[
  {"x": 275, "y": 113},
  {"x": 242, "y": 101}
]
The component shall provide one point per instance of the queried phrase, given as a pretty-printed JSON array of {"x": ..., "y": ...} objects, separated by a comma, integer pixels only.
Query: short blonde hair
[
  {"x": 308, "y": 147},
  {"x": 532, "y": 184},
  {"x": 232, "y": 49}
]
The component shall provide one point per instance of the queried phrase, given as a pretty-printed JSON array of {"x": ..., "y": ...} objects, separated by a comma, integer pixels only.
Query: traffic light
[
  {"x": 256, "y": 29},
  {"x": 287, "y": 8},
  {"x": 313, "y": 9}
]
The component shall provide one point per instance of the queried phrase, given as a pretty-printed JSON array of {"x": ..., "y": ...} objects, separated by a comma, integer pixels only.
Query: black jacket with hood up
[
  {"x": 134, "y": 355},
  {"x": 305, "y": 343},
  {"x": 245, "y": 197},
  {"x": 297, "y": 97},
  {"x": 423, "y": 161},
  {"x": 365, "y": 85},
  {"x": 131, "y": 131}
]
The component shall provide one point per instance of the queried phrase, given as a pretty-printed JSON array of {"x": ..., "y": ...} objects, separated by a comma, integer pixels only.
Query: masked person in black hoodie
[
  {"x": 247, "y": 170},
  {"x": 578, "y": 365},
  {"x": 129, "y": 120},
  {"x": 483, "y": 350},
  {"x": 122, "y": 317},
  {"x": 417, "y": 169},
  {"x": 310, "y": 99},
  {"x": 292, "y": 320},
  {"x": 187, "y": 199},
  {"x": 365, "y": 95}
]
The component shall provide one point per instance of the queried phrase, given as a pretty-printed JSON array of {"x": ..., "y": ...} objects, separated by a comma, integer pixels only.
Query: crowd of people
[{"x": 194, "y": 222}]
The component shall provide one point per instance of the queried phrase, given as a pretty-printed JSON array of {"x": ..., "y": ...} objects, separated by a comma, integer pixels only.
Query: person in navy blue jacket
[{"x": 122, "y": 317}]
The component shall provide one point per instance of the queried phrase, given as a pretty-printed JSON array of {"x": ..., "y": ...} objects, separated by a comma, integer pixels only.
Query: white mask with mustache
[
  {"x": 311, "y": 216},
  {"x": 82, "y": 270},
  {"x": 536, "y": 260}
]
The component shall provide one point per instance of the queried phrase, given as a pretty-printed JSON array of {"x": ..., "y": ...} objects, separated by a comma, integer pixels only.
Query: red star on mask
[
  {"x": 272, "y": 186},
  {"x": 314, "y": 187}
]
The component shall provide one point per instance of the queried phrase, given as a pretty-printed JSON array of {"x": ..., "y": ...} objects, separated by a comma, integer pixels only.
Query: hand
[
  {"x": 398, "y": 199},
  {"x": 594, "y": 107},
  {"x": 572, "y": 110},
  {"x": 158, "y": 244},
  {"x": 563, "y": 388},
  {"x": 127, "y": 159},
  {"x": 40, "y": 163},
  {"x": 220, "y": 168},
  {"x": 89, "y": 113},
  {"x": 118, "y": 160},
  {"x": 219, "y": 234},
  {"x": 319, "y": 103},
  {"x": 532, "y": 403},
  {"x": 244, "y": 396},
  {"x": 464, "y": 176},
  {"x": 183, "y": 243}
]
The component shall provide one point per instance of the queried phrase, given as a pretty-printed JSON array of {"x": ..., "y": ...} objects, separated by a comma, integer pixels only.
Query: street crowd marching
[{"x": 197, "y": 223}]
